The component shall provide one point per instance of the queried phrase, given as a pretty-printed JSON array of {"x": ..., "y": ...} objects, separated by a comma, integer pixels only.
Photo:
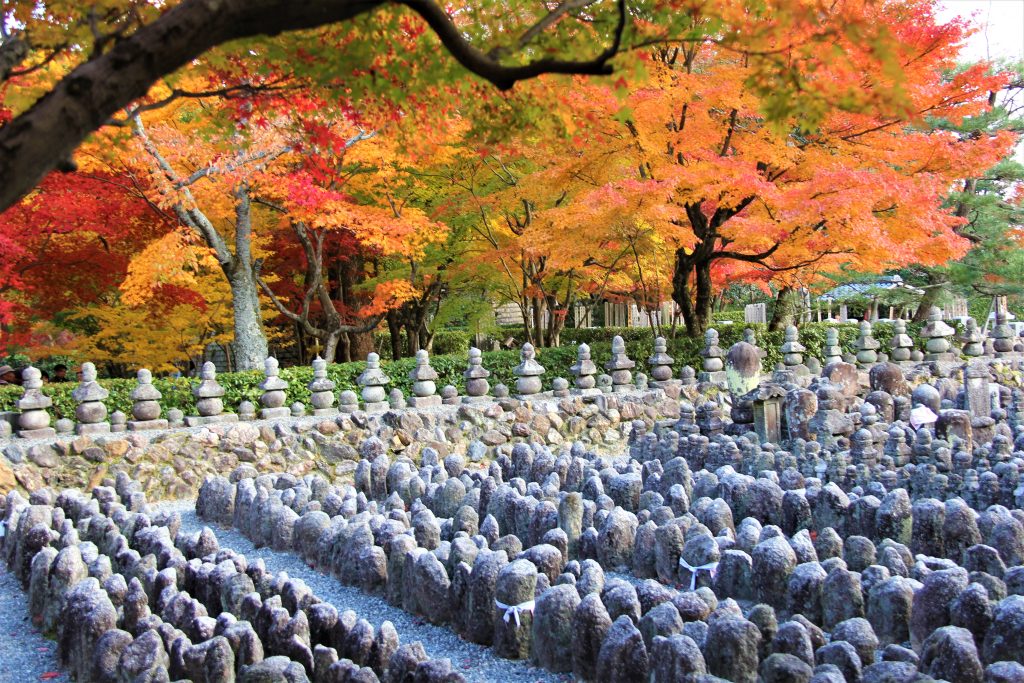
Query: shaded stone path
[
  {"x": 475, "y": 662},
  {"x": 25, "y": 655}
]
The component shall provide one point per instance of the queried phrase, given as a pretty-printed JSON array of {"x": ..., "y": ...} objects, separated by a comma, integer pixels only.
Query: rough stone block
[
  {"x": 94, "y": 428},
  {"x": 45, "y": 433},
  {"x": 199, "y": 420},
  {"x": 143, "y": 425},
  {"x": 429, "y": 401}
]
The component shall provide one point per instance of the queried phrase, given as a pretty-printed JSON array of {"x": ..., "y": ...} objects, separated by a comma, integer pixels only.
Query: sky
[
  {"x": 1001, "y": 23},
  {"x": 1001, "y": 34}
]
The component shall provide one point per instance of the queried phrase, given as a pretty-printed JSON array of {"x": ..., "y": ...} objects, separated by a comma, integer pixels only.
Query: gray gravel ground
[
  {"x": 25, "y": 655},
  {"x": 475, "y": 662}
]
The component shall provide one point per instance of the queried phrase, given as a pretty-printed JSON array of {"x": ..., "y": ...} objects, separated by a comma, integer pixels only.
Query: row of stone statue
[
  {"x": 91, "y": 413},
  {"x": 937, "y": 334}
]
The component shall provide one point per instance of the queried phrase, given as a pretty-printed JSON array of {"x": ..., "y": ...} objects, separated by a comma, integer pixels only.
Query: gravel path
[
  {"x": 475, "y": 662},
  {"x": 25, "y": 655}
]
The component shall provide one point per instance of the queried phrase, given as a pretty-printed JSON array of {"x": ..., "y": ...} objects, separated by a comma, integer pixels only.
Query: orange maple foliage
[
  {"x": 690, "y": 154},
  {"x": 309, "y": 174}
]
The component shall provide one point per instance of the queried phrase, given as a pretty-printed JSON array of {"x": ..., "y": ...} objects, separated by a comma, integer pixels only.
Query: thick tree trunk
[
  {"x": 250, "y": 345},
  {"x": 705, "y": 296},
  {"x": 787, "y": 302},
  {"x": 331, "y": 347},
  {"x": 250, "y": 340},
  {"x": 932, "y": 294},
  {"x": 554, "y": 335},
  {"x": 413, "y": 341},
  {"x": 342, "y": 354},
  {"x": 682, "y": 292},
  {"x": 360, "y": 344}
]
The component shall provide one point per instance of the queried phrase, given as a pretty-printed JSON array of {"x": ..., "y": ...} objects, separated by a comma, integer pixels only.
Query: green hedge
[
  {"x": 244, "y": 386},
  {"x": 241, "y": 386}
]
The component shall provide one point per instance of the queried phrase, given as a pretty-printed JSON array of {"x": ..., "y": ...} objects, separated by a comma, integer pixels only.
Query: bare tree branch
[
  {"x": 228, "y": 93},
  {"x": 189, "y": 215},
  {"x": 265, "y": 156}
]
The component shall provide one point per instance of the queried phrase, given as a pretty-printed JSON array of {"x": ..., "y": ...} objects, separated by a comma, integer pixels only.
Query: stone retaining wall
[{"x": 172, "y": 463}]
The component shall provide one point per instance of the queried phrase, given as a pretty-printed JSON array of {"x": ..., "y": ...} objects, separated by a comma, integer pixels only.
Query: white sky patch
[
  {"x": 1000, "y": 35},
  {"x": 1001, "y": 23}
]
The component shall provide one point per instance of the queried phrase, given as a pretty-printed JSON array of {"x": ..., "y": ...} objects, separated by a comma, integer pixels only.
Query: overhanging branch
[
  {"x": 37, "y": 141},
  {"x": 503, "y": 76}
]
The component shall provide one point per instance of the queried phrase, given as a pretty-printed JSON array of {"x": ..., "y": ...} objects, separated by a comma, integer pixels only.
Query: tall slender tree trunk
[
  {"x": 538, "y": 320},
  {"x": 527, "y": 311},
  {"x": 395, "y": 332},
  {"x": 331, "y": 346}
]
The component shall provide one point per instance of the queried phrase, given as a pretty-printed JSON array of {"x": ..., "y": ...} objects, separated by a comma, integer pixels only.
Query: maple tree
[
  {"x": 743, "y": 198},
  {"x": 108, "y": 57},
  {"x": 862, "y": 188},
  {"x": 215, "y": 203},
  {"x": 348, "y": 240},
  {"x": 525, "y": 243},
  {"x": 273, "y": 199},
  {"x": 346, "y": 175},
  {"x": 112, "y": 55},
  {"x": 156, "y": 332},
  {"x": 397, "y": 175},
  {"x": 990, "y": 204},
  {"x": 544, "y": 254},
  {"x": 68, "y": 245}
]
